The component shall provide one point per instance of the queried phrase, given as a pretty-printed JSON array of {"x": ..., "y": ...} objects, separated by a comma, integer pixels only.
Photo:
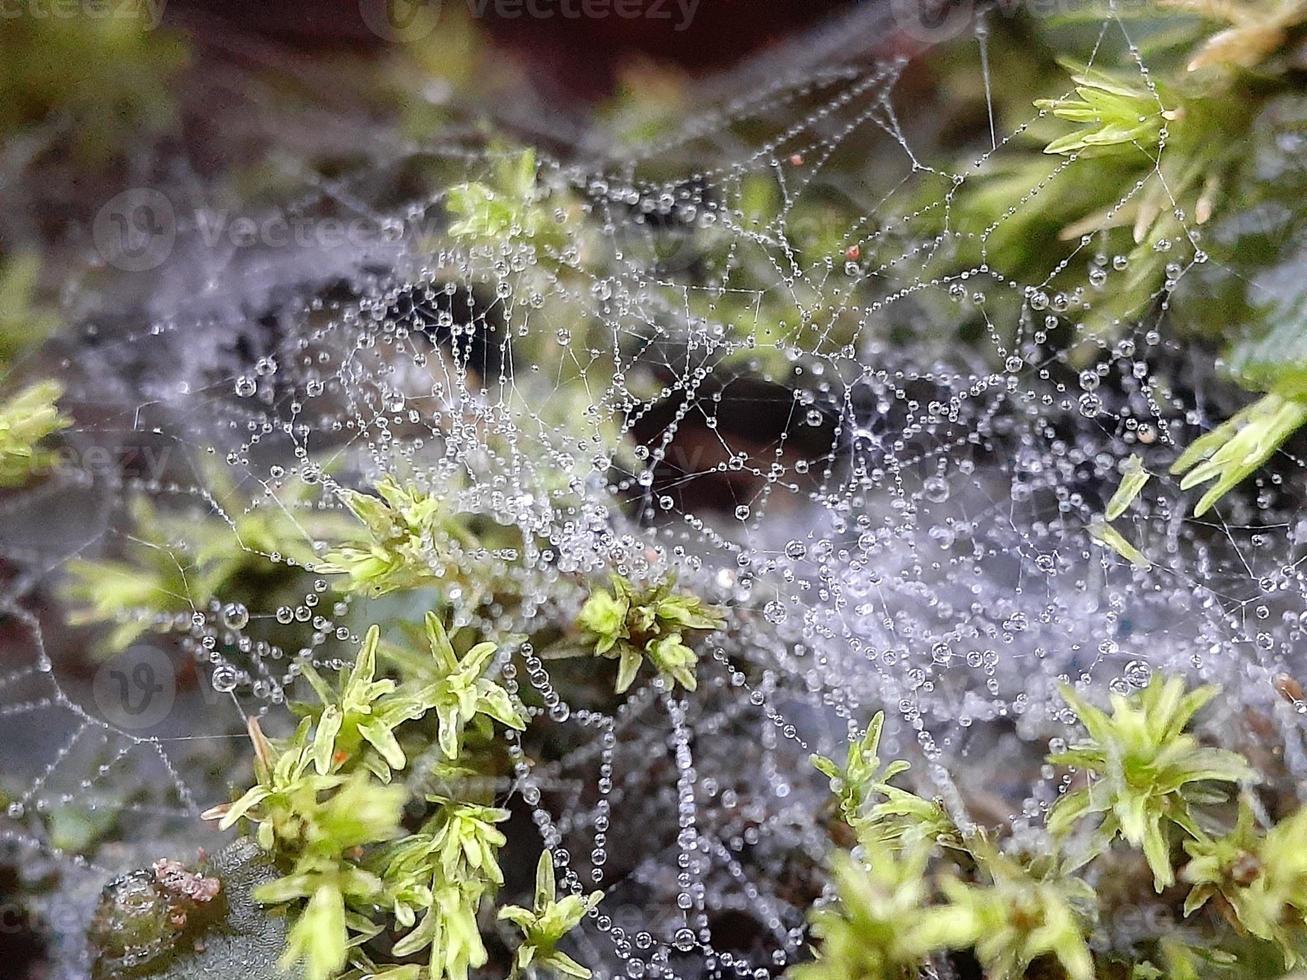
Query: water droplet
[
  {"x": 235, "y": 616},
  {"x": 935, "y": 488},
  {"x": 224, "y": 678},
  {"x": 1137, "y": 673}
]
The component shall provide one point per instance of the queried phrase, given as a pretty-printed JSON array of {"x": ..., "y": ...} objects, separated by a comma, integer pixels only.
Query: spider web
[{"x": 672, "y": 379}]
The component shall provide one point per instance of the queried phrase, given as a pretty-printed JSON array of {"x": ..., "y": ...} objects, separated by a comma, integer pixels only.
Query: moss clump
[{"x": 918, "y": 886}]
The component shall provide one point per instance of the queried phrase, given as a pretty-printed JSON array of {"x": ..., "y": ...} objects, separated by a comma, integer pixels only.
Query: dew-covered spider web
[{"x": 764, "y": 345}]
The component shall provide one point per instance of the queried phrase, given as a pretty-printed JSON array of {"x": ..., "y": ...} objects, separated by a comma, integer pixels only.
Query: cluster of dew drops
[{"x": 931, "y": 561}]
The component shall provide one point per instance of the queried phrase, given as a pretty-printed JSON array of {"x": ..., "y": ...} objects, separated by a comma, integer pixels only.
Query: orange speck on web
[{"x": 853, "y": 253}]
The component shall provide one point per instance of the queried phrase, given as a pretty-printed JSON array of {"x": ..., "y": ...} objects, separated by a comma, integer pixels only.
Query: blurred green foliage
[{"x": 100, "y": 76}]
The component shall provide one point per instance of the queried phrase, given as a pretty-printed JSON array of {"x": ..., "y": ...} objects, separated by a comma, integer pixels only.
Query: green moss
[
  {"x": 24, "y": 322},
  {"x": 26, "y": 419},
  {"x": 545, "y": 924},
  {"x": 912, "y": 891},
  {"x": 178, "y": 558},
  {"x": 324, "y": 807},
  {"x": 633, "y": 625},
  {"x": 407, "y": 536}
]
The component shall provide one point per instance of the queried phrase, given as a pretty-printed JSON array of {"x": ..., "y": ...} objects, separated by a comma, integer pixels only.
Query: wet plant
[
  {"x": 539, "y": 550},
  {"x": 902, "y": 899}
]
